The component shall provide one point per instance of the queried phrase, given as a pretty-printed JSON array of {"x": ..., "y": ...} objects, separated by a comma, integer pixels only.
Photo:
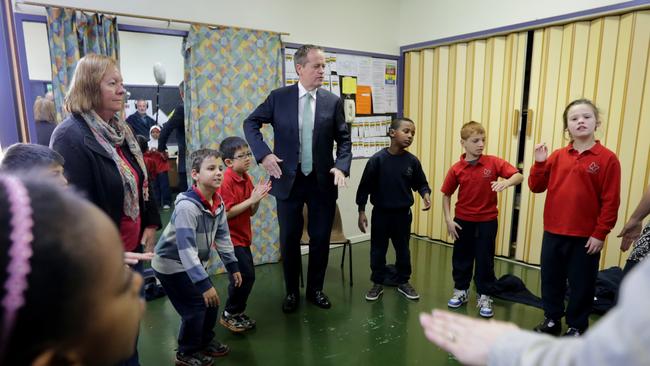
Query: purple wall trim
[
  {"x": 19, "y": 18},
  {"x": 22, "y": 17},
  {"x": 8, "y": 113},
  {"x": 349, "y": 52},
  {"x": 527, "y": 25}
]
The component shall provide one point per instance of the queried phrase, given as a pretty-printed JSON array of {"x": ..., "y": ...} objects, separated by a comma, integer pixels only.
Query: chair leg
[
  {"x": 350, "y": 260},
  {"x": 302, "y": 281},
  {"x": 343, "y": 256}
]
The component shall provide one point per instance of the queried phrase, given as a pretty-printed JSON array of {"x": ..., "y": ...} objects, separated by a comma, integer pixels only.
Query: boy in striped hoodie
[{"x": 197, "y": 224}]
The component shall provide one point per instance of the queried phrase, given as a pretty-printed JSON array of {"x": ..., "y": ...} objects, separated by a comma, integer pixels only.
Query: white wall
[
  {"x": 38, "y": 51},
  {"x": 426, "y": 20},
  {"x": 365, "y": 25},
  {"x": 139, "y": 51}
]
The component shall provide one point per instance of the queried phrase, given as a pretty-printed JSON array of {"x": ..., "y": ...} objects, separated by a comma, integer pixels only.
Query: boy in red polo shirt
[
  {"x": 474, "y": 227},
  {"x": 582, "y": 183},
  {"x": 241, "y": 200}
]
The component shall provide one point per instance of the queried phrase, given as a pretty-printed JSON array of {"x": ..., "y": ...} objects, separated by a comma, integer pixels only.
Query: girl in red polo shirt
[{"x": 583, "y": 182}]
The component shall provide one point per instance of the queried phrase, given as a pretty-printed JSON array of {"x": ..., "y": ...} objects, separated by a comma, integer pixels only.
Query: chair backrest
[{"x": 337, "y": 236}]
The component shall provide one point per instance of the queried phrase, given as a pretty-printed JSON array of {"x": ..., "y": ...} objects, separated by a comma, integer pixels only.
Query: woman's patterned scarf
[{"x": 114, "y": 134}]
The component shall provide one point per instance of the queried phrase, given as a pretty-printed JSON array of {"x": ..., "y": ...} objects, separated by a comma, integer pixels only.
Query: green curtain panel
[
  {"x": 228, "y": 73},
  {"x": 72, "y": 35}
]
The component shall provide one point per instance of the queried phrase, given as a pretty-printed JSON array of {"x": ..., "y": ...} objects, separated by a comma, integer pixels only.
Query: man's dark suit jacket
[
  {"x": 139, "y": 126},
  {"x": 280, "y": 109}
]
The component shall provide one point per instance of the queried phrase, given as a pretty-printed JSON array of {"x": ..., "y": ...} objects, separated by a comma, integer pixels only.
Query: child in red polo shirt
[
  {"x": 474, "y": 227},
  {"x": 241, "y": 200},
  {"x": 583, "y": 182}
]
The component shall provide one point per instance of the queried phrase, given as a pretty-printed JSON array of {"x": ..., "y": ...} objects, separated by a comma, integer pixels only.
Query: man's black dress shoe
[
  {"x": 290, "y": 303},
  {"x": 319, "y": 299}
]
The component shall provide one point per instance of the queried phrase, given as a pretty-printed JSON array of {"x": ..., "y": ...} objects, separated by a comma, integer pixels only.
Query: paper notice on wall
[
  {"x": 330, "y": 62},
  {"x": 364, "y": 99},
  {"x": 290, "y": 78},
  {"x": 334, "y": 85},
  {"x": 346, "y": 65},
  {"x": 384, "y": 86},
  {"x": 288, "y": 60},
  {"x": 349, "y": 85},
  {"x": 364, "y": 76}
]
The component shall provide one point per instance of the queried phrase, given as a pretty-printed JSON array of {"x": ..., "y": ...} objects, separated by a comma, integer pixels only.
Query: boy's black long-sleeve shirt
[{"x": 390, "y": 179}]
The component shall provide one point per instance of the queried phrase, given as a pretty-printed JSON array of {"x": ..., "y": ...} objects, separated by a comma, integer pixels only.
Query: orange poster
[{"x": 364, "y": 99}]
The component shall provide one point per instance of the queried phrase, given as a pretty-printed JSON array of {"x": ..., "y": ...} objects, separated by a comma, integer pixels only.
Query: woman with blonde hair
[
  {"x": 44, "y": 119},
  {"x": 102, "y": 156}
]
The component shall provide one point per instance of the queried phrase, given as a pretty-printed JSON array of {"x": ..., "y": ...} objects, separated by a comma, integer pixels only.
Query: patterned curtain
[
  {"x": 71, "y": 36},
  {"x": 228, "y": 73}
]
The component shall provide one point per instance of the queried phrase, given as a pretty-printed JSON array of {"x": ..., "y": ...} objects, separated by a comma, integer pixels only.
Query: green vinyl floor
[{"x": 354, "y": 331}]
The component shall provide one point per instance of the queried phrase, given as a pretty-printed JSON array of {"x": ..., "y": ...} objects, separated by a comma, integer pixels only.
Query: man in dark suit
[
  {"x": 176, "y": 123},
  {"x": 306, "y": 121},
  {"x": 139, "y": 121}
]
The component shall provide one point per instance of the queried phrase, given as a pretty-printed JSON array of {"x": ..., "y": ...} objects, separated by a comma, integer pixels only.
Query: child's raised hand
[
  {"x": 541, "y": 152},
  {"x": 594, "y": 245},
  {"x": 426, "y": 201},
  {"x": 452, "y": 227},
  {"x": 261, "y": 190},
  {"x": 498, "y": 186},
  {"x": 237, "y": 278},
  {"x": 211, "y": 298},
  {"x": 363, "y": 222}
]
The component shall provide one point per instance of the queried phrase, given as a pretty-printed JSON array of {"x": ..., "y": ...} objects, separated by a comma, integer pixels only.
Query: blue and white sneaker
[
  {"x": 459, "y": 298},
  {"x": 484, "y": 306}
]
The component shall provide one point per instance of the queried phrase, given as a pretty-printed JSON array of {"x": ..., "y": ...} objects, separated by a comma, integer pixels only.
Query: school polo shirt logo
[
  {"x": 593, "y": 168},
  {"x": 487, "y": 173}
]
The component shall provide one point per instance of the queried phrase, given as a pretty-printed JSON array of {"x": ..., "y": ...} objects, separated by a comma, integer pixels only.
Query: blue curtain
[
  {"x": 71, "y": 36},
  {"x": 228, "y": 73}
]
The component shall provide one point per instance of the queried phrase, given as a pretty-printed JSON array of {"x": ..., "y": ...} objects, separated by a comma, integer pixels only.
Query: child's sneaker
[
  {"x": 194, "y": 359},
  {"x": 408, "y": 291},
  {"x": 549, "y": 326},
  {"x": 232, "y": 322},
  {"x": 248, "y": 322},
  {"x": 216, "y": 349},
  {"x": 573, "y": 332},
  {"x": 458, "y": 298},
  {"x": 375, "y": 292},
  {"x": 484, "y": 306}
]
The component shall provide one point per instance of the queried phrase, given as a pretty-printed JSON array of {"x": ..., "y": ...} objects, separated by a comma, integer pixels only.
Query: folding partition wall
[
  {"x": 447, "y": 86},
  {"x": 606, "y": 60}
]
